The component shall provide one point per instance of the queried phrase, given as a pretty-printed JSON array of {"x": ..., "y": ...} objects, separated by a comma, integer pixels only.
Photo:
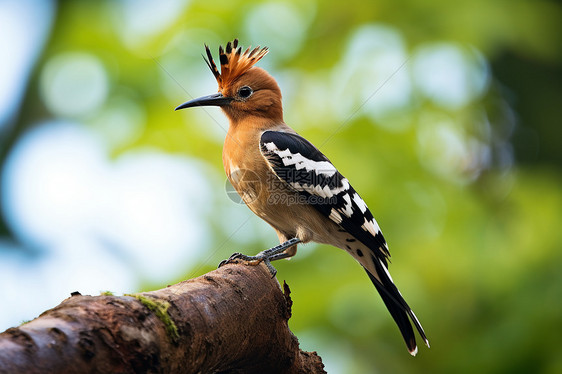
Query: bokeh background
[{"x": 446, "y": 116}]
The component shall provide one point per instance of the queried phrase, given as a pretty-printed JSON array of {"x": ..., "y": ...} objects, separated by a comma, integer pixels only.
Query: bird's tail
[{"x": 397, "y": 307}]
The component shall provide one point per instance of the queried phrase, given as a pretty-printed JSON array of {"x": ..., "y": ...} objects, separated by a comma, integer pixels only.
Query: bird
[{"x": 290, "y": 184}]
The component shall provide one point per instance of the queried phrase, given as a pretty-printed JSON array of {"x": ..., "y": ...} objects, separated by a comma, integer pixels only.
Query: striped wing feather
[{"x": 301, "y": 165}]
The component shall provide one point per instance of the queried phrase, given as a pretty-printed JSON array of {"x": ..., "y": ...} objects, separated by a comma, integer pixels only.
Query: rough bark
[{"x": 231, "y": 320}]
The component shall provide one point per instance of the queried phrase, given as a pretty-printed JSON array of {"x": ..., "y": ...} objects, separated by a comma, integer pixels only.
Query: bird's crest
[{"x": 233, "y": 61}]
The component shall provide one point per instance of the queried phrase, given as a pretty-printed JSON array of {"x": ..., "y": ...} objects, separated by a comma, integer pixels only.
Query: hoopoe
[{"x": 290, "y": 184}]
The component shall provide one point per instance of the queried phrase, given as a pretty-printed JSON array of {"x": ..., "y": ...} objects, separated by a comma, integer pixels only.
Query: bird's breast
[
  {"x": 246, "y": 169},
  {"x": 266, "y": 194}
]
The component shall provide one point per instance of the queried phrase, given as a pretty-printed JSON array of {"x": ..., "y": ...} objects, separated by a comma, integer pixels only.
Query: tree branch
[{"x": 231, "y": 320}]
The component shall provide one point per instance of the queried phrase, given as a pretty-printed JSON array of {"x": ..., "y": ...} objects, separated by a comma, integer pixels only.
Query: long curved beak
[{"x": 211, "y": 100}]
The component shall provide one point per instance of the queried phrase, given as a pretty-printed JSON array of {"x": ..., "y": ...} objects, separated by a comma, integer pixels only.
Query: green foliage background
[{"x": 475, "y": 244}]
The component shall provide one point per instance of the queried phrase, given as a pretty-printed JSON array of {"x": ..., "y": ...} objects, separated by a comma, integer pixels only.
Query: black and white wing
[{"x": 301, "y": 165}]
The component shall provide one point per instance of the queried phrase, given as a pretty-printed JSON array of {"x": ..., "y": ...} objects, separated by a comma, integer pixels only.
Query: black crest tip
[{"x": 223, "y": 59}]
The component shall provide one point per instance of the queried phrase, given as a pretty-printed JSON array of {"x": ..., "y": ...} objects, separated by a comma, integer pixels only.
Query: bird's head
[{"x": 244, "y": 89}]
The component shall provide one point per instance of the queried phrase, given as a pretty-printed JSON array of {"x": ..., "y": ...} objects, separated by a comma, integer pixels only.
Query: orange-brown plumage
[
  {"x": 289, "y": 183},
  {"x": 265, "y": 102},
  {"x": 233, "y": 62}
]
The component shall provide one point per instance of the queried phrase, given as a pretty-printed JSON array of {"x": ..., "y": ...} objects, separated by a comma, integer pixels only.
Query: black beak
[{"x": 211, "y": 100}]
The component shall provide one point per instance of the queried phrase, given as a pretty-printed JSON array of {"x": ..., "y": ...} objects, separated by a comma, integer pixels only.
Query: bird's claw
[
  {"x": 271, "y": 254},
  {"x": 222, "y": 263},
  {"x": 250, "y": 260},
  {"x": 270, "y": 267},
  {"x": 231, "y": 259}
]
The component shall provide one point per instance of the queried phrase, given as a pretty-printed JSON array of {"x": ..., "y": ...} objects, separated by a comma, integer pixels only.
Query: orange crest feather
[{"x": 233, "y": 61}]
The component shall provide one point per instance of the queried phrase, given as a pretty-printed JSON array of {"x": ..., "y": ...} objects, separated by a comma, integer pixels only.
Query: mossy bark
[{"x": 231, "y": 320}]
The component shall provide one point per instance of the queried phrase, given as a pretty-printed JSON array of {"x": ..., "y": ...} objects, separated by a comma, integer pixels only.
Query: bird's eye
[{"x": 245, "y": 92}]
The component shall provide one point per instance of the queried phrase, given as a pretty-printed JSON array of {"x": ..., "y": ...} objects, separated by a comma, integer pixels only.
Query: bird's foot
[
  {"x": 250, "y": 260},
  {"x": 271, "y": 254}
]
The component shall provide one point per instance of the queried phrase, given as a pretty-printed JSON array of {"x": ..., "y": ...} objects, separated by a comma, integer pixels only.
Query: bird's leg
[{"x": 271, "y": 254}]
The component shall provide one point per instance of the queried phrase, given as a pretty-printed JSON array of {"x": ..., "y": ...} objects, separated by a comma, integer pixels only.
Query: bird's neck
[
  {"x": 243, "y": 138},
  {"x": 253, "y": 123}
]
